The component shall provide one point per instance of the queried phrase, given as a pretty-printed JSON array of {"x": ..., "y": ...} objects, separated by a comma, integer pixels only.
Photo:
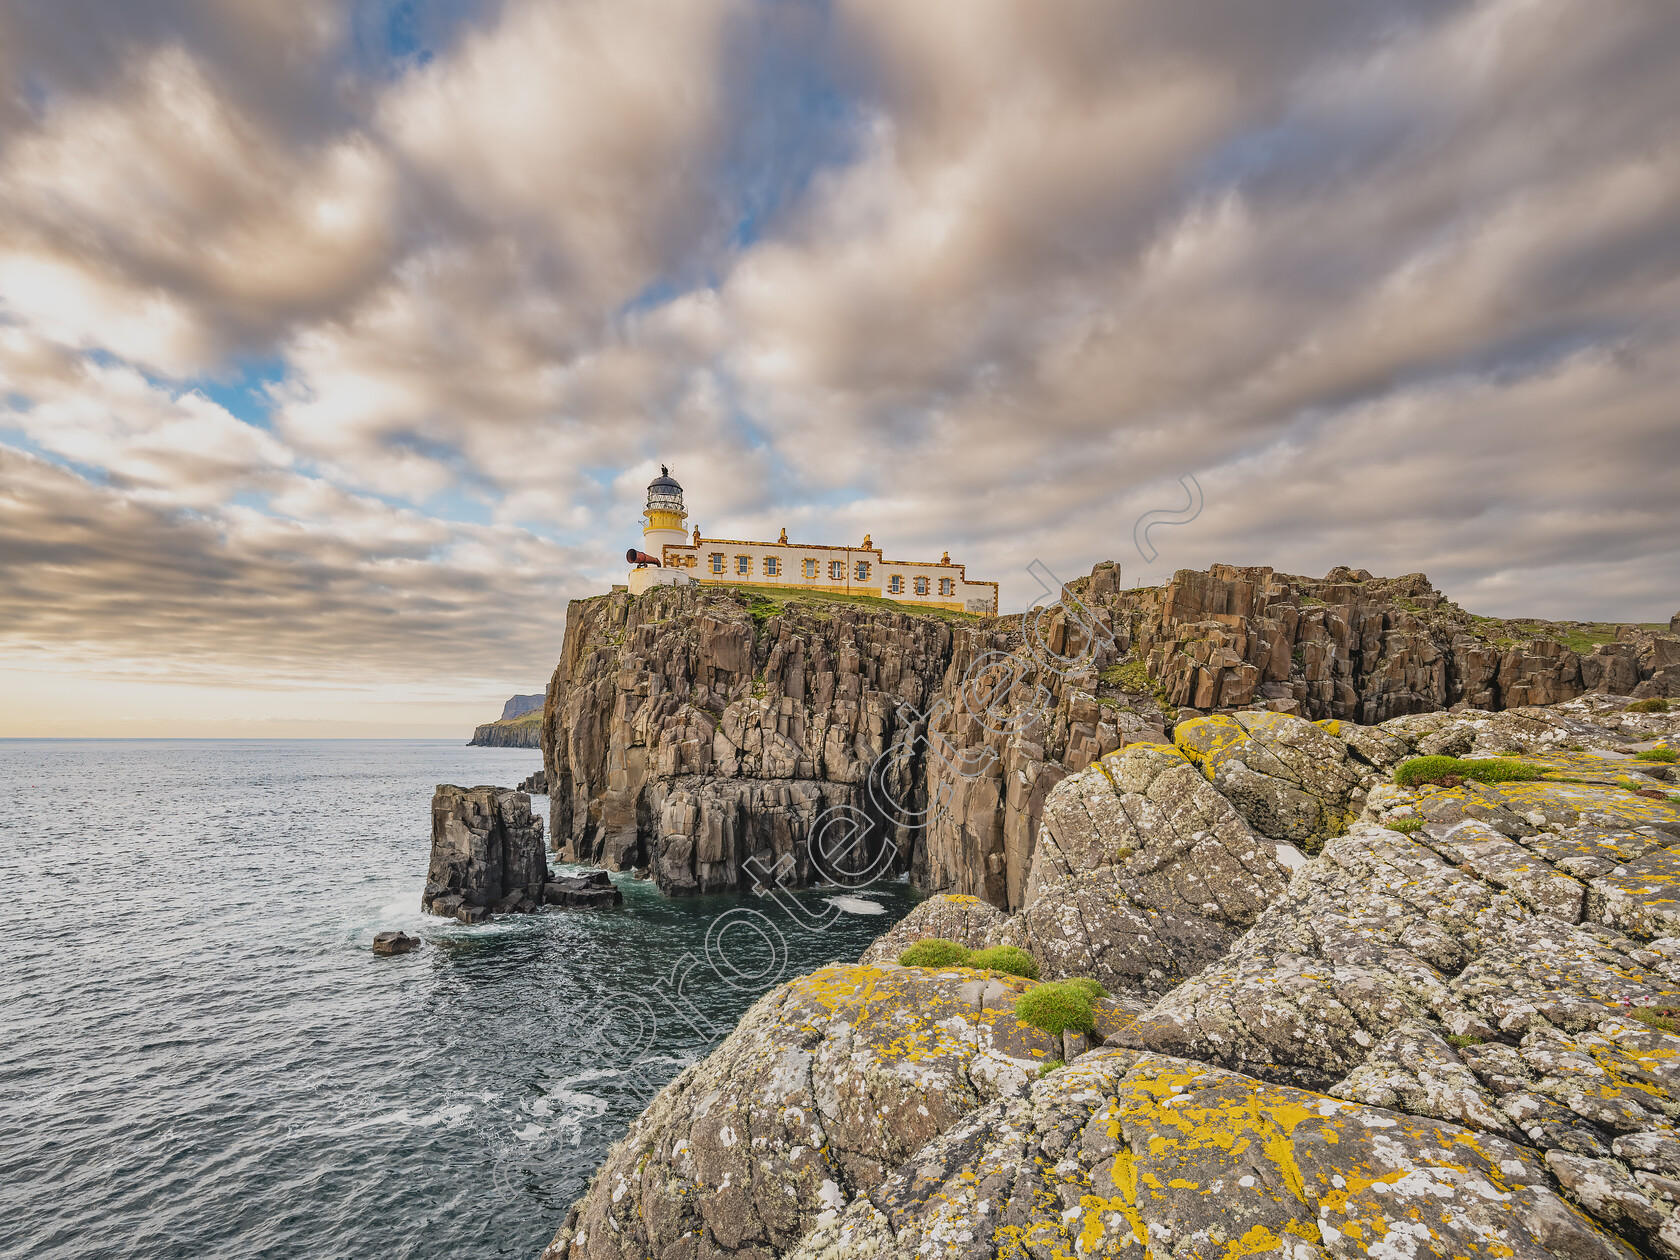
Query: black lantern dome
[{"x": 664, "y": 494}]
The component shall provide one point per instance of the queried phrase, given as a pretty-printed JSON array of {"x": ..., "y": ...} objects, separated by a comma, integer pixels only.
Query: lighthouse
[
  {"x": 670, "y": 557},
  {"x": 664, "y": 517},
  {"x": 664, "y": 514}
]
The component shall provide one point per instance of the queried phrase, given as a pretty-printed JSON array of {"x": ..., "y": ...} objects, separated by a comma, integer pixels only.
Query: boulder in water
[
  {"x": 594, "y": 888},
  {"x": 395, "y": 943}
]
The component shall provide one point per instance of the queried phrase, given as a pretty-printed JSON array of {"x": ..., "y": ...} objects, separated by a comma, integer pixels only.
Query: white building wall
[{"x": 876, "y": 580}]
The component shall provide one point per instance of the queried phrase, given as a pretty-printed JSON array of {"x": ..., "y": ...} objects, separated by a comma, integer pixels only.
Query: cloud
[
  {"x": 1398, "y": 282},
  {"x": 320, "y": 586}
]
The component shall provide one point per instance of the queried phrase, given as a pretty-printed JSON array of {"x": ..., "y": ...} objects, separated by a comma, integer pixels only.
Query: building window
[
  {"x": 743, "y": 565},
  {"x": 772, "y": 566},
  {"x": 947, "y": 586},
  {"x": 810, "y": 568},
  {"x": 921, "y": 586},
  {"x": 836, "y": 570},
  {"x": 895, "y": 584},
  {"x": 863, "y": 570},
  {"x": 717, "y": 562}
]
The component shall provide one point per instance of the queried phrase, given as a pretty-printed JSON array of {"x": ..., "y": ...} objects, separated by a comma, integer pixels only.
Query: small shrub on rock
[
  {"x": 935, "y": 951},
  {"x": 1657, "y": 754},
  {"x": 1005, "y": 958},
  {"x": 1648, "y": 706},
  {"x": 1484, "y": 770},
  {"x": 1058, "y": 1006},
  {"x": 1128, "y": 675},
  {"x": 1662, "y": 1018},
  {"x": 1044, "y": 1069},
  {"x": 1405, "y": 826}
]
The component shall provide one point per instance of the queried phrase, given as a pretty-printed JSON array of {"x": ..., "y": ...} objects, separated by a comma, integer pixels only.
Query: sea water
[{"x": 203, "y": 1058}]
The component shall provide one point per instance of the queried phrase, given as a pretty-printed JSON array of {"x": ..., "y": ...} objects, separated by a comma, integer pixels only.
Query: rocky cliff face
[
  {"x": 523, "y": 731},
  {"x": 691, "y": 729},
  {"x": 487, "y": 854},
  {"x": 1452, "y": 1030}
]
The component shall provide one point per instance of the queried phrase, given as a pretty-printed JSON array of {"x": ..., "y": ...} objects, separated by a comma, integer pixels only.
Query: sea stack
[{"x": 487, "y": 854}]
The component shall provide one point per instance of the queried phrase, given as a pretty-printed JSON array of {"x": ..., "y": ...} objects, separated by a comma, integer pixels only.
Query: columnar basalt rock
[
  {"x": 487, "y": 854},
  {"x": 701, "y": 707}
]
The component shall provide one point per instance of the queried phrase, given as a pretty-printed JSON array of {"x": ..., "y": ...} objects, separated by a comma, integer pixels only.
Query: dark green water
[{"x": 202, "y": 1058}]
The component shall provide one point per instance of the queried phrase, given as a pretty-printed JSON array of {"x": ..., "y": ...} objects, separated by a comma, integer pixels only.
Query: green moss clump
[
  {"x": 1648, "y": 706},
  {"x": 1405, "y": 826},
  {"x": 1483, "y": 770},
  {"x": 1005, "y": 958},
  {"x": 935, "y": 951},
  {"x": 1662, "y": 1018},
  {"x": 1044, "y": 1069},
  {"x": 1058, "y": 1006},
  {"x": 1459, "y": 1040},
  {"x": 1657, "y": 754},
  {"x": 1130, "y": 676}
]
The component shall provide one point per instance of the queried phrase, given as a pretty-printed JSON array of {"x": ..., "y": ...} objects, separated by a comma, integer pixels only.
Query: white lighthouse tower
[{"x": 664, "y": 515}]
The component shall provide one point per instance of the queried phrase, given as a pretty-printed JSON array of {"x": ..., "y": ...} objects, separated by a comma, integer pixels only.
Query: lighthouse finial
[{"x": 664, "y": 471}]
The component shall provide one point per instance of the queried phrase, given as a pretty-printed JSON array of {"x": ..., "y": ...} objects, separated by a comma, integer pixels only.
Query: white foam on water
[
  {"x": 530, "y": 1133},
  {"x": 856, "y": 905},
  {"x": 446, "y": 1116}
]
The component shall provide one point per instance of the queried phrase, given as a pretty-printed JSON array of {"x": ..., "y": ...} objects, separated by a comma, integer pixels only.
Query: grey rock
[{"x": 487, "y": 851}]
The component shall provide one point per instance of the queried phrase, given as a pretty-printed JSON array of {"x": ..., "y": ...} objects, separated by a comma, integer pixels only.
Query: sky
[{"x": 338, "y": 342}]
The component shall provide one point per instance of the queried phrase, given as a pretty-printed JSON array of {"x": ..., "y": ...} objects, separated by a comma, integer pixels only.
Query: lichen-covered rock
[
  {"x": 949, "y": 916},
  {"x": 1288, "y": 778},
  {"x": 829, "y": 1083},
  {"x": 1143, "y": 874},
  {"x": 1476, "y": 975},
  {"x": 1118, "y": 1155}
]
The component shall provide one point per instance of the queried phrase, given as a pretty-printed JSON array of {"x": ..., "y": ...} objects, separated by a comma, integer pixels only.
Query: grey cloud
[
  {"x": 234, "y": 596},
  {"x": 1399, "y": 282}
]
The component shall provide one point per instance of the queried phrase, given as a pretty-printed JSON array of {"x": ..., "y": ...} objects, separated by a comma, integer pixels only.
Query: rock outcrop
[
  {"x": 1453, "y": 1030},
  {"x": 487, "y": 854},
  {"x": 948, "y": 916},
  {"x": 593, "y": 889},
  {"x": 829, "y": 1083},
  {"x": 693, "y": 729},
  {"x": 1122, "y": 1154},
  {"x": 517, "y": 706}
]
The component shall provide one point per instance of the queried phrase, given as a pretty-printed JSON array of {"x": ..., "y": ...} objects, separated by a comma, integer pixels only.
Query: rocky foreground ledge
[{"x": 1348, "y": 1018}]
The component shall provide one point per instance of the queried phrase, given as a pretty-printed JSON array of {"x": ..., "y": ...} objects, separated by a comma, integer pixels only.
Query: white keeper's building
[{"x": 861, "y": 570}]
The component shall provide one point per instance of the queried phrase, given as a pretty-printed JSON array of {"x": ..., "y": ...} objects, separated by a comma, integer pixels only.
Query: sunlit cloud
[{"x": 1399, "y": 283}]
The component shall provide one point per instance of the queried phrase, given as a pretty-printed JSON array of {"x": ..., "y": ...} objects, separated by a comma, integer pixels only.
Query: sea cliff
[
  {"x": 523, "y": 731},
  {"x": 690, "y": 729},
  {"x": 1381, "y": 894}
]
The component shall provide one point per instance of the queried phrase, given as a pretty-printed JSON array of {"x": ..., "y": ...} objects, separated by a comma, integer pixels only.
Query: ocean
[{"x": 203, "y": 1058}]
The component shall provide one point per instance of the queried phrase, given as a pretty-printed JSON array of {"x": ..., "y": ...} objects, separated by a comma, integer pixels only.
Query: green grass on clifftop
[
  {"x": 772, "y": 600},
  {"x": 1421, "y": 770}
]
